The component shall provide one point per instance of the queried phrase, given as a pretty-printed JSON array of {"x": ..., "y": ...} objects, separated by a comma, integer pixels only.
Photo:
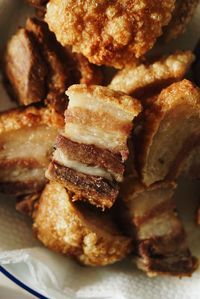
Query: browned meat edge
[
  {"x": 96, "y": 190},
  {"x": 91, "y": 155}
]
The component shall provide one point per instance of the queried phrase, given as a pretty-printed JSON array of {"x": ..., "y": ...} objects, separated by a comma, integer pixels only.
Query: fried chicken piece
[
  {"x": 90, "y": 237},
  {"x": 168, "y": 124},
  {"x": 27, "y": 136},
  {"x": 147, "y": 79},
  {"x": 91, "y": 152},
  {"x": 25, "y": 69},
  {"x": 109, "y": 33},
  {"x": 183, "y": 13},
  {"x": 151, "y": 214}
]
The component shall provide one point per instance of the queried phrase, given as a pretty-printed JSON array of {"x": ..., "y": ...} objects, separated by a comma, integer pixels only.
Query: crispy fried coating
[
  {"x": 149, "y": 78},
  {"x": 112, "y": 33},
  {"x": 89, "y": 237},
  {"x": 183, "y": 13},
  {"x": 151, "y": 214},
  {"x": 168, "y": 124},
  {"x": 27, "y": 136}
]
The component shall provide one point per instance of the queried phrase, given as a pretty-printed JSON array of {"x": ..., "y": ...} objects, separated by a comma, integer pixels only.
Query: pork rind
[
  {"x": 90, "y": 154},
  {"x": 109, "y": 33},
  {"x": 27, "y": 136},
  {"x": 169, "y": 123},
  {"x": 89, "y": 237},
  {"x": 147, "y": 79},
  {"x": 151, "y": 214}
]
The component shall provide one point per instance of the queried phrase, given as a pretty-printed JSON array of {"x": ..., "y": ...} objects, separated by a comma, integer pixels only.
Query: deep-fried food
[
  {"x": 109, "y": 32},
  {"x": 183, "y": 13},
  {"x": 169, "y": 123},
  {"x": 58, "y": 78},
  {"x": 91, "y": 238},
  {"x": 162, "y": 247},
  {"x": 27, "y": 136},
  {"x": 38, "y": 68},
  {"x": 91, "y": 152},
  {"x": 25, "y": 69},
  {"x": 147, "y": 79}
]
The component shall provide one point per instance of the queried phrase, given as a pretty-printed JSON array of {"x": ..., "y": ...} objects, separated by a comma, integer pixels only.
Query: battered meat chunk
[
  {"x": 149, "y": 78},
  {"x": 183, "y": 13},
  {"x": 91, "y": 152},
  {"x": 89, "y": 237},
  {"x": 169, "y": 124},
  {"x": 27, "y": 136},
  {"x": 25, "y": 69},
  {"x": 162, "y": 246},
  {"x": 109, "y": 32}
]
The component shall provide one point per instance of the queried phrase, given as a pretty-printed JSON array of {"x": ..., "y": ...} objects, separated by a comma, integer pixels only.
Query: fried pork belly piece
[
  {"x": 147, "y": 79},
  {"x": 91, "y": 152},
  {"x": 89, "y": 237},
  {"x": 58, "y": 78},
  {"x": 38, "y": 68},
  {"x": 162, "y": 246},
  {"x": 109, "y": 33},
  {"x": 183, "y": 13},
  {"x": 27, "y": 136},
  {"x": 169, "y": 123},
  {"x": 25, "y": 69}
]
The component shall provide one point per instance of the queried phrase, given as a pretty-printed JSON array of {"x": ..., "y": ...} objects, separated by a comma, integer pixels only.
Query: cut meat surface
[
  {"x": 153, "y": 220},
  {"x": 90, "y": 237},
  {"x": 91, "y": 152},
  {"x": 27, "y": 136},
  {"x": 174, "y": 116},
  {"x": 147, "y": 79},
  {"x": 25, "y": 69}
]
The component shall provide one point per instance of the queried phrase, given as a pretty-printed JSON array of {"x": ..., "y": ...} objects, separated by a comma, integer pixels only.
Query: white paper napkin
[{"x": 57, "y": 276}]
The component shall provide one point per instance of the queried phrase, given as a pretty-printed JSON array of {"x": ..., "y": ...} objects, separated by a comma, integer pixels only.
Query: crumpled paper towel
[{"x": 58, "y": 277}]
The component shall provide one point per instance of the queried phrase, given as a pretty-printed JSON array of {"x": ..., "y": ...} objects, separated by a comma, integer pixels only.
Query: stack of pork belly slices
[
  {"x": 90, "y": 154},
  {"x": 164, "y": 149},
  {"x": 27, "y": 136}
]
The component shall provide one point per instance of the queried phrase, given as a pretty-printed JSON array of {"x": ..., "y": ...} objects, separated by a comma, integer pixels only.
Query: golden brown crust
[
  {"x": 183, "y": 13},
  {"x": 88, "y": 237},
  {"x": 31, "y": 116},
  {"x": 173, "y": 108},
  {"x": 109, "y": 33},
  {"x": 149, "y": 78},
  {"x": 106, "y": 95}
]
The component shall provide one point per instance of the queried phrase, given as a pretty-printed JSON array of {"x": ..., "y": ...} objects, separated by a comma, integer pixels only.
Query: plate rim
[{"x": 21, "y": 284}]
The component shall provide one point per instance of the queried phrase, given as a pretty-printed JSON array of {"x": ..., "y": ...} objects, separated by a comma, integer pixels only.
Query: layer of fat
[
  {"x": 94, "y": 104},
  {"x": 31, "y": 142},
  {"x": 62, "y": 159},
  {"x": 90, "y": 135}
]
